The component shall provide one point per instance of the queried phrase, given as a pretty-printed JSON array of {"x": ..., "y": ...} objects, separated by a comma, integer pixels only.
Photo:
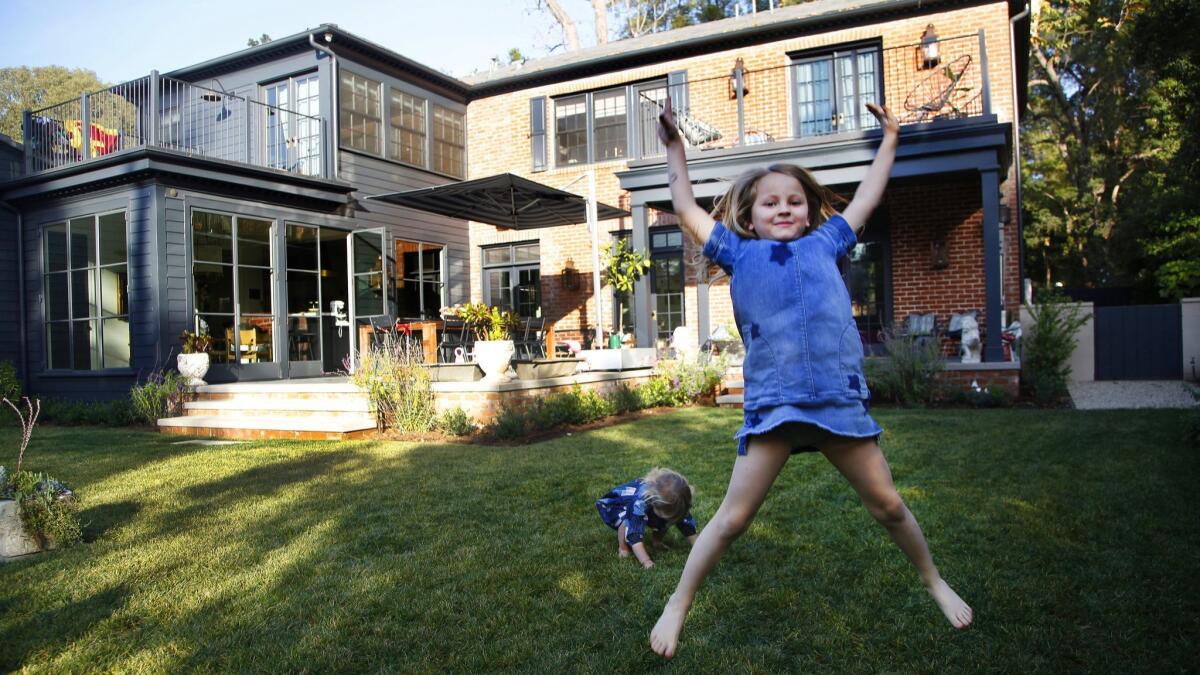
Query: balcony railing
[
  {"x": 827, "y": 94},
  {"x": 161, "y": 112}
]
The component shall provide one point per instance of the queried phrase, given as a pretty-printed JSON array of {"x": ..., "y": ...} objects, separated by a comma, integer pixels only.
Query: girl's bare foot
[
  {"x": 957, "y": 612},
  {"x": 664, "y": 638}
]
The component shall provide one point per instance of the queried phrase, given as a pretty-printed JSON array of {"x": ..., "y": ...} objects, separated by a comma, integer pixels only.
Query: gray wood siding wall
[
  {"x": 10, "y": 336},
  {"x": 144, "y": 336},
  {"x": 176, "y": 282},
  {"x": 377, "y": 176}
]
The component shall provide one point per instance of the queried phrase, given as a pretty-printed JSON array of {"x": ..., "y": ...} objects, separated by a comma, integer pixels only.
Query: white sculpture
[{"x": 972, "y": 346}]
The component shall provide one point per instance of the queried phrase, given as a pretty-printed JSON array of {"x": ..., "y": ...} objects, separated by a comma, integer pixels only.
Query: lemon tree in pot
[
  {"x": 493, "y": 338},
  {"x": 623, "y": 266},
  {"x": 193, "y": 357}
]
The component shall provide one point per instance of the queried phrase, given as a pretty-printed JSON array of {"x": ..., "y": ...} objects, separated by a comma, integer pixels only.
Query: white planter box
[
  {"x": 619, "y": 359},
  {"x": 13, "y": 540}
]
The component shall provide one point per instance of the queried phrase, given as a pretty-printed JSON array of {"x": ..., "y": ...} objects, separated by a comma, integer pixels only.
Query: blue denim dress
[
  {"x": 627, "y": 504},
  {"x": 804, "y": 356}
]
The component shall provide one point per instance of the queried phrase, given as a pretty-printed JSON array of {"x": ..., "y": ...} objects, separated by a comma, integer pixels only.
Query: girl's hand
[
  {"x": 887, "y": 121},
  {"x": 648, "y": 564},
  {"x": 668, "y": 131}
]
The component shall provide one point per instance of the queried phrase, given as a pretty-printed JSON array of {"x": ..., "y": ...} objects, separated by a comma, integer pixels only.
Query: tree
[
  {"x": 264, "y": 39},
  {"x": 24, "y": 88},
  {"x": 1091, "y": 132}
]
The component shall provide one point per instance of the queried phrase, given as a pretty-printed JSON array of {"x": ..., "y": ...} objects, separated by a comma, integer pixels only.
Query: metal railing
[
  {"x": 156, "y": 111},
  {"x": 826, "y": 94}
]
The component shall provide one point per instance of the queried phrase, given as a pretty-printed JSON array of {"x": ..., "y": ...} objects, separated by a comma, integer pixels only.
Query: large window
[
  {"x": 407, "y": 128},
  {"x": 666, "y": 279},
  {"x": 86, "y": 291},
  {"x": 419, "y": 281},
  {"x": 361, "y": 112},
  {"x": 449, "y": 142},
  {"x": 293, "y": 127},
  {"x": 597, "y": 126},
  {"x": 831, "y": 90},
  {"x": 231, "y": 282},
  {"x": 512, "y": 278},
  {"x": 865, "y": 272}
]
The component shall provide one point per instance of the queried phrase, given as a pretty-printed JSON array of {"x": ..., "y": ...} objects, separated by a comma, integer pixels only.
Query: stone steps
[
  {"x": 330, "y": 409},
  {"x": 730, "y": 401}
]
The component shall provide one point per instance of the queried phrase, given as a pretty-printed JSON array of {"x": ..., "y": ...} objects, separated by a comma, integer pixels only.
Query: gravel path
[{"x": 1132, "y": 394}]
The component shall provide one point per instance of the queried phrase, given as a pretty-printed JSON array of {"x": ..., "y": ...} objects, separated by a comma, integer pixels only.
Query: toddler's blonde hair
[
  {"x": 734, "y": 208},
  {"x": 668, "y": 493}
]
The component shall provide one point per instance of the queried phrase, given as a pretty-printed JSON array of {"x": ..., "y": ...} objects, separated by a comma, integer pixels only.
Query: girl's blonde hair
[
  {"x": 735, "y": 206},
  {"x": 668, "y": 493}
]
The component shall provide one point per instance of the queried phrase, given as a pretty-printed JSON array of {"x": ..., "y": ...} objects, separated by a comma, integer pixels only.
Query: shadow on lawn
[
  {"x": 50, "y": 631},
  {"x": 99, "y": 520}
]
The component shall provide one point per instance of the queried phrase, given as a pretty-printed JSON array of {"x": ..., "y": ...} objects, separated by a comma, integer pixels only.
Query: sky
[{"x": 124, "y": 40}]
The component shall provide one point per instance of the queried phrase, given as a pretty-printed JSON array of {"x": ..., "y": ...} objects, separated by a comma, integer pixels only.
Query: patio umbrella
[
  {"x": 508, "y": 200},
  {"x": 504, "y": 200}
]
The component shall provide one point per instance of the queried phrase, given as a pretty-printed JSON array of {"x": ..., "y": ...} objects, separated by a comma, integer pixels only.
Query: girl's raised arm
[
  {"x": 870, "y": 190},
  {"x": 694, "y": 219}
]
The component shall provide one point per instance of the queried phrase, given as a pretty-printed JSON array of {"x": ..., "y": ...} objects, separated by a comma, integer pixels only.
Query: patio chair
[
  {"x": 939, "y": 89},
  {"x": 531, "y": 344},
  {"x": 454, "y": 335},
  {"x": 920, "y": 329}
]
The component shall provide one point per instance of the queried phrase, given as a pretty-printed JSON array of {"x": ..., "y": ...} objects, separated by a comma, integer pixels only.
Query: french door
[{"x": 368, "y": 282}]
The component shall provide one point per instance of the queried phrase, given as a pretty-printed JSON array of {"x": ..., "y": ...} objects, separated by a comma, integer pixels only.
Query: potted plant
[
  {"x": 623, "y": 266},
  {"x": 193, "y": 358},
  {"x": 494, "y": 347},
  {"x": 36, "y": 511}
]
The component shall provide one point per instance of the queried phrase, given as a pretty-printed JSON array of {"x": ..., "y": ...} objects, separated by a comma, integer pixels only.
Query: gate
[{"x": 1139, "y": 342}]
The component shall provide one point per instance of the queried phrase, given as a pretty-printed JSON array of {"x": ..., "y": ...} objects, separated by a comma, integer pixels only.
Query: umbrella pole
[{"x": 595, "y": 228}]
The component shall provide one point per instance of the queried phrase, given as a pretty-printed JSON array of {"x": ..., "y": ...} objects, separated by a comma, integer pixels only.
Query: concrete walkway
[{"x": 1111, "y": 395}]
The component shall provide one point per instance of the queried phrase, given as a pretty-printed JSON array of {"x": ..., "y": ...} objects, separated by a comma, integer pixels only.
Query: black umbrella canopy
[{"x": 505, "y": 200}]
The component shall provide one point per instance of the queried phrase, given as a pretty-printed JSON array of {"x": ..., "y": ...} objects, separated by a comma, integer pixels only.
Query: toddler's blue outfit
[
  {"x": 627, "y": 504},
  {"x": 804, "y": 357}
]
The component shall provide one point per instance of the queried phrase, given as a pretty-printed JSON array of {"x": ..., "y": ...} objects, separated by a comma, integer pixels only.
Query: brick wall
[{"x": 498, "y": 137}]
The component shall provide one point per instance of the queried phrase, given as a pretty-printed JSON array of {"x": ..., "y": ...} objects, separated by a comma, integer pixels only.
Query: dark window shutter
[{"x": 537, "y": 132}]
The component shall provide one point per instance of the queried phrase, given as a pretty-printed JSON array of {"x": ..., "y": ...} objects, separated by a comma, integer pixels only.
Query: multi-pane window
[
  {"x": 361, "y": 113},
  {"x": 597, "y": 126},
  {"x": 86, "y": 292},
  {"x": 231, "y": 285},
  {"x": 293, "y": 127},
  {"x": 512, "y": 278},
  {"x": 449, "y": 142},
  {"x": 666, "y": 280},
  {"x": 609, "y": 124},
  {"x": 419, "y": 281},
  {"x": 407, "y": 128},
  {"x": 570, "y": 130},
  {"x": 832, "y": 90}
]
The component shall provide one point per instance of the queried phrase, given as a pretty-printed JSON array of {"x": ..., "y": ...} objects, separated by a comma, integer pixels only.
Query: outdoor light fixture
[
  {"x": 213, "y": 97},
  {"x": 929, "y": 47},
  {"x": 328, "y": 37},
  {"x": 739, "y": 68},
  {"x": 570, "y": 275},
  {"x": 939, "y": 257}
]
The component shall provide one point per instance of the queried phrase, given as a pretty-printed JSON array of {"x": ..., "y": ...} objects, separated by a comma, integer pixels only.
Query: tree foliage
[
  {"x": 1109, "y": 161},
  {"x": 24, "y": 88}
]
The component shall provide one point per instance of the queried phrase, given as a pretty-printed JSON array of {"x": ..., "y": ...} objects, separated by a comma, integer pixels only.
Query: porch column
[
  {"x": 641, "y": 288},
  {"x": 990, "y": 184}
]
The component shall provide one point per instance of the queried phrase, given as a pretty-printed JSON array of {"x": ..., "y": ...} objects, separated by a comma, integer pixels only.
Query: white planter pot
[
  {"x": 493, "y": 356},
  {"x": 13, "y": 540},
  {"x": 193, "y": 367}
]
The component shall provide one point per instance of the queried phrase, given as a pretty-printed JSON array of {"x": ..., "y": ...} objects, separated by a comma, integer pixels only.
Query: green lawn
[{"x": 1075, "y": 536}]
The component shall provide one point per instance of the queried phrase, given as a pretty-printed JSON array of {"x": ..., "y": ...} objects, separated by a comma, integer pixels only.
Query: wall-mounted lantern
[
  {"x": 929, "y": 48},
  {"x": 939, "y": 256},
  {"x": 739, "y": 73},
  {"x": 570, "y": 275}
]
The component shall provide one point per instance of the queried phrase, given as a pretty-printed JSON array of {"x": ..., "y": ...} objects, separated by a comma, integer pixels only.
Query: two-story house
[{"x": 232, "y": 196}]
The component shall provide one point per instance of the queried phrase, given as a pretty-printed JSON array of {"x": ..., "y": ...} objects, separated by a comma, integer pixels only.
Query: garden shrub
[
  {"x": 49, "y": 511},
  {"x": 456, "y": 422},
  {"x": 397, "y": 385},
  {"x": 114, "y": 413},
  {"x": 1047, "y": 348},
  {"x": 508, "y": 424},
  {"x": 909, "y": 373},
  {"x": 624, "y": 399},
  {"x": 682, "y": 382},
  {"x": 983, "y": 398},
  {"x": 10, "y": 384},
  {"x": 161, "y": 395}
]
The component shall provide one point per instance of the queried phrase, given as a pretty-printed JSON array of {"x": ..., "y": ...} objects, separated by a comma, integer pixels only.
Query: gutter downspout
[
  {"x": 333, "y": 86},
  {"x": 24, "y": 357},
  {"x": 1019, "y": 206}
]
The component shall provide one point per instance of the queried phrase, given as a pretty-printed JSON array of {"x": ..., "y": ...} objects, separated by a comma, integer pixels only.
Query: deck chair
[{"x": 940, "y": 89}]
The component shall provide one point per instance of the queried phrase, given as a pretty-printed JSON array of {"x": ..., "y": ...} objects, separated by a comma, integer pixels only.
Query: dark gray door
[{"x": 1141, "y": 342}]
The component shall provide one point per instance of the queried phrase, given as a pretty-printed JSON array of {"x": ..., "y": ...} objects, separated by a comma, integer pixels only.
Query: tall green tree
[{"x": 24, "y": 88}]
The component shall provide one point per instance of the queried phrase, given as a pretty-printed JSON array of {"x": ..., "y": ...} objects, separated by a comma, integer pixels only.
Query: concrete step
[
  {"x": 311, "y": 427},
  {"x": 280, "y": 406},
  {"x": 729, "y": 401},
  {"x": 734, "y": 386}
]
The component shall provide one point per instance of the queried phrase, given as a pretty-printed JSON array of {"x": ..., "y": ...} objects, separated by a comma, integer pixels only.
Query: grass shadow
[
  {"x": 102, "y": 519},
  {"x": 37, "y": 637}
]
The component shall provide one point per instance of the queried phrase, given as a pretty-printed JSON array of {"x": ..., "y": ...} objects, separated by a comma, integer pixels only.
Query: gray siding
[
  {"x": 10, "y": 337},
  {"x": 138, "y": 201},
  {"x": 377, "y": 176}
]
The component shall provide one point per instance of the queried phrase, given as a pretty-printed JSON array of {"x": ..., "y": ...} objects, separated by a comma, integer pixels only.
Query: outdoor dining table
[{"x": 427, "y": 329}]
